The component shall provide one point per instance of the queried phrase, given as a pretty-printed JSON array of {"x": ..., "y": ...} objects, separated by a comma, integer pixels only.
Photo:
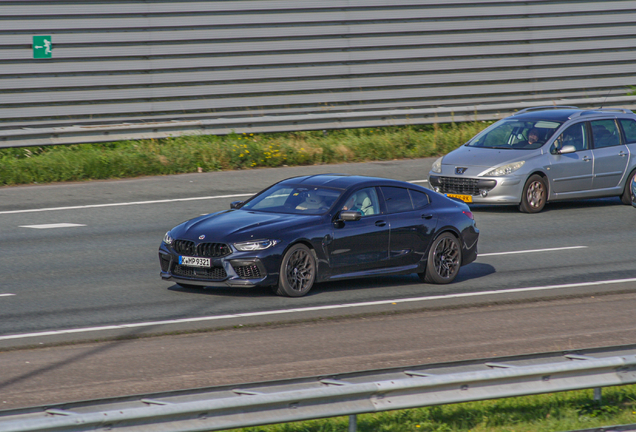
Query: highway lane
[
  {"x": 114, "y": 368},
  {"x": 102, "y": 269}
]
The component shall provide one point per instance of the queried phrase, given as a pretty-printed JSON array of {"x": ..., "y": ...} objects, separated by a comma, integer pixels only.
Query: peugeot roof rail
[
  {"x": 540, "y": 108},
  {"x": 597, "y": 110}
]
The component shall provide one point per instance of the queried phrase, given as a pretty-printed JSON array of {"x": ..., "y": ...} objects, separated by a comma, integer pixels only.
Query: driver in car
[
  {"x": 533, "y": 138},
  {"x": 350, "y": 205}
]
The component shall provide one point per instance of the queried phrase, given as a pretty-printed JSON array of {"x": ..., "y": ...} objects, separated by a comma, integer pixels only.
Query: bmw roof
[{"x": 342, "y": 181}]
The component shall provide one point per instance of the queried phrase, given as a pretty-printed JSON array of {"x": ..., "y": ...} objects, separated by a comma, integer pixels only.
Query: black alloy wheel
[
  {"x": 534, "y": 195},
  {"x": 297, "y": 272},
  {"x": 444, "y": 260}
]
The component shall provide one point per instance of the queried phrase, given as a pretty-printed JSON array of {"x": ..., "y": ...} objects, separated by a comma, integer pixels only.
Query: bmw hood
[
  {"x": 238, "y": 225},
  {"x": 485, "y": 157}
]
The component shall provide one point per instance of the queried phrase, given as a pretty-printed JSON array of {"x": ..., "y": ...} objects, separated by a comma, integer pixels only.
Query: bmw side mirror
[
  {"x": 350, "y": 215},
  {"x": 236, "y": 204}
]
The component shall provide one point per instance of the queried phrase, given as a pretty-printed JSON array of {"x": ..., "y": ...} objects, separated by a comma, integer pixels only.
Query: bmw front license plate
[
  {"x": 194, "y": 261},
  {"x": 465, "y": 198}
]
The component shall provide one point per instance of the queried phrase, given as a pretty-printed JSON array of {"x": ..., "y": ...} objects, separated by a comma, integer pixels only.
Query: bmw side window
[
  {"x": 419, "y": 199},
  {"x": 605, "y": 133},
  {"x": 574, "y": 136},
  {"x": 629, "y": 129},
  {"x": 364, "y": 201},
  {"x": 397, "y": 199}
]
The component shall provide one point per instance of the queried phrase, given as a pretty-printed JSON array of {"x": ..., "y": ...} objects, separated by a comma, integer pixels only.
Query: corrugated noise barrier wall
[{"x": 264, "y": 65}]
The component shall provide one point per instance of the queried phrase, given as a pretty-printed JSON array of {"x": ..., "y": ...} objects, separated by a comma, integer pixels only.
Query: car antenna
[{"x": 604, "y": 100}]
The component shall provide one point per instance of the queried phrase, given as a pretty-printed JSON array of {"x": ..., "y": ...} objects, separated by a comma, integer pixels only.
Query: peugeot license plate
[
  {"x": 194, "y": 261},
  {"x": 465, "y": 198}
]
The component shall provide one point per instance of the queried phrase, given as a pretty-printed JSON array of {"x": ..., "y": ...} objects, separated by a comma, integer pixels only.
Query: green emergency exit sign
[{"x": 42, "y": 47}]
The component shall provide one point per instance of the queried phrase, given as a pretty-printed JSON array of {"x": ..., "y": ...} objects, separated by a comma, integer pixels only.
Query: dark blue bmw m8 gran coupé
[{"x": 319, "y": 228}]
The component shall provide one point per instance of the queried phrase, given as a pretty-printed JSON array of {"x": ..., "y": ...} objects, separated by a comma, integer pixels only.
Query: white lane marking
[
  {"x": 53, "y": 225},
  {"x": 532, "y": 251},
  {"x": 314, "y": 308},
  {"x": 6, "y": 295},
  {"x": 123, "y": 204},
  {"x": 142, "y": 202}
]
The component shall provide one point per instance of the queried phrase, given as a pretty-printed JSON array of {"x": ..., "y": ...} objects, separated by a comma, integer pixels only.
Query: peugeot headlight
[
  {"x": 167, "y": 239},
  {"x": 504, "y": 169},
  {"x": 437, "y": 166},
  {"x": 255, "y": 245}
]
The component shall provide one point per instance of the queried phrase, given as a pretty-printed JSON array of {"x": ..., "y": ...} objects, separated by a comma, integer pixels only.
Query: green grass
[
  {"x": 565, "y": 411},
  {"x": 203, "y": 153}
]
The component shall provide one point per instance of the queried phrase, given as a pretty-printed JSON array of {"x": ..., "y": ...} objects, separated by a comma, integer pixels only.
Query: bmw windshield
[
  {"x": 515, "y": 134},
  {"x": 294, "y": 199}
]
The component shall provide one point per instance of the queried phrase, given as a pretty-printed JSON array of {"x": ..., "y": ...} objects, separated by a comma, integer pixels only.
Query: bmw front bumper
[{"x": 239, "y": 270}]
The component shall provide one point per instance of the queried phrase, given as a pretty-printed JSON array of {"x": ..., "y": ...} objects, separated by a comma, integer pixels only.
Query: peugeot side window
[
  {"x": 572, "y": 139},
  {"x": 629, "y": 129},
  {"x": 605, "y": 133}
]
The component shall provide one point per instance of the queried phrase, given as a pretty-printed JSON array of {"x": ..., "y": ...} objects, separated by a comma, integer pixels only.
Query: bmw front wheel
[{"x": 297, "y": 272}]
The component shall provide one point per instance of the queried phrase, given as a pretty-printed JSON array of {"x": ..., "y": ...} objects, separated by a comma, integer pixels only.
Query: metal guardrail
[
  {"x": 155, "y": 58},
  {"x": 296, "y": 400},
  {"x": 80, "y": 65},
  {"x": 222, "y": 126}
]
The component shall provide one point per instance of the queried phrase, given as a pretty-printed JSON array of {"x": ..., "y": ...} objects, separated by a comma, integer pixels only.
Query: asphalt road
[
  {"x": 104, "y": 270},
  {"x": 99, "y": 277}
]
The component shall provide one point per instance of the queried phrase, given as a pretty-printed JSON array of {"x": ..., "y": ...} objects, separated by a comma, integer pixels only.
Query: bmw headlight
[
  {"x": 167, "y": 239},
  {"x": 437, "y": 166},
  {"x": 505, "y": 169},
  {"x": 255, "y": 245}
]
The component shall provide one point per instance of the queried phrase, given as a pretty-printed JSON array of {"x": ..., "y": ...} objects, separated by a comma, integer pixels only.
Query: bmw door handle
[
  {"x": 427, "y": 216},
  {"x": 380, "y": 223}
]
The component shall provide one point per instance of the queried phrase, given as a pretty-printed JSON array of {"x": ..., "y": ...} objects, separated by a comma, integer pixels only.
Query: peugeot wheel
[
  {"x": 534, "y": 195},
  {"x": 297, "y": 272},
  {"x": 444, "y": 260},
  {"x": 628, "y": 196}
]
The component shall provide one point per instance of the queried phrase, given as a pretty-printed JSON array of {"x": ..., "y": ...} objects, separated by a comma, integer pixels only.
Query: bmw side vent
[
  {"x": 248, "y": 271},
  {"x": 164, "y": 260}
]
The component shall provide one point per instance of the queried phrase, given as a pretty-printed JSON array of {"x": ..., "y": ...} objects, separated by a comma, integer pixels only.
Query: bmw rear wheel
[
  {"x": 444, "y": 260},
  {"x": 534, "y": 195},
  {"x": 297, "y": 272}
]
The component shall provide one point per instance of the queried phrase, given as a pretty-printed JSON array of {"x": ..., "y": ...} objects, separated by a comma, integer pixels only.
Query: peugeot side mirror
[
  {"x": 236, "y": 204},
  {"x": 567, "y": 149}
]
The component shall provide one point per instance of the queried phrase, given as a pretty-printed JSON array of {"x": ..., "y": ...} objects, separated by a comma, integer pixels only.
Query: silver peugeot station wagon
[{"x": 543, "y": 154}]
